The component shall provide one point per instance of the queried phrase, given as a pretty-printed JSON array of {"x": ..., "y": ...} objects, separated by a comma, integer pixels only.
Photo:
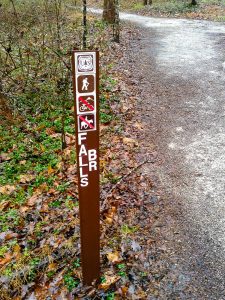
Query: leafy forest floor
[
  {"x": 204, "y": 10},
  {"x": 39, "y": 217},
  {"x": 213, "y": 10}
]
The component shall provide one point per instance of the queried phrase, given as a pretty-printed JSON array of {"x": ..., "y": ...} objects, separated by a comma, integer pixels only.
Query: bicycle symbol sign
[{"x": 86, "y": 103}]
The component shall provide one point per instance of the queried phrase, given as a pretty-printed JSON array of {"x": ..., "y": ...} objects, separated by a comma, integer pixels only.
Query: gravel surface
[
  {"x": 182, "y": 81},
  {"x": 179, "y": 67}
]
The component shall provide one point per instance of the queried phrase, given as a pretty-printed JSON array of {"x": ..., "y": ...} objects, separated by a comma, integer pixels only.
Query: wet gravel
[{"x": 179, "y": 68}]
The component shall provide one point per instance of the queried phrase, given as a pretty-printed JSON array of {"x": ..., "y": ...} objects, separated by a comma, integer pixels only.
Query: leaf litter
[{"x": 42, "y": 257}]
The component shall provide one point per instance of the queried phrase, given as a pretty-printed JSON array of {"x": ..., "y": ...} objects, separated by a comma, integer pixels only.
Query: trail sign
[
  {"x": 86, "y": 96},
  {"x": 86, "y": 103},
  {"x": 86, "y": 84},
  {"x": 86, "y": 122},
  {"x": 86, "y": 63}
]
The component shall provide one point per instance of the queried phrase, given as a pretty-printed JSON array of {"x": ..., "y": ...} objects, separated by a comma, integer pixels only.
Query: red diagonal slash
[
  {"x": 86, "y": 103},
  {"x": 84, "y": 120}
]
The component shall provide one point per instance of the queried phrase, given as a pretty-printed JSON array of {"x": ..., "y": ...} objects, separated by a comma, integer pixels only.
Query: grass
[
  {"x": 35, "y": 163},
  {"x": 213, "y": 2},
  {"x": 38, "y": 195},
  {"x": 221, "y": 18},
  {"x": 205, "y": 9},
  {"x": 173, "y": 7},
  {"x": 167, "y": 7}
]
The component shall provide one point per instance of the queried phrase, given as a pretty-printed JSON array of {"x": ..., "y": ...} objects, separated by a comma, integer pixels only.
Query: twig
[
  {"x": 60, "y": 56},
  {"x": 84, "y": 24},
  {"x": 147, "y": 161},
  {"x": 23, "y": 273}
]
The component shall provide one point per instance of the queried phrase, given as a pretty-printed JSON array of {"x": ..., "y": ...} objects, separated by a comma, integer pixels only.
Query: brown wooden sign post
[{"x": 86, "y": 95}]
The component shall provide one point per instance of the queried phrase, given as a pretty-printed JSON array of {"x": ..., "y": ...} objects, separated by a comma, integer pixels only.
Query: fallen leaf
[
  {"x": 50, "y": 170},
  {"x": 130, "y": 142},
  {"x": 11, "y": 235},
  {"x": 124, "y": 290},
  {"x": 70, "y": 139},
  {"x": 55, "y": 135},
  {"x": 17, "y": 251},
  {"x": 138, "y": 125},
  {"x": 4, "y": 157},
  {"x": 109, "y": 220},
  {"x": 23, "y": 209},
  {"x": 113, "y": 257},
  {"x": 72, "y": 170},
  {"x": 44, "y": 208},
  {"x": 39, "y": 128},
  {"x": 109, "y": 280},
  {"x": 32, "y": 201},
  {"x": 7, "y": 258},
  {"x": 25, "y": 178},
  {"x": 7, "y": 189},
  {"x": 4, "y": 205},
  {"x": 67, "y": 152},
  {"x": 124, "y": 108},
  {"x": 110, "y": 215},
  {"x": 50, "y": 131},
  {"x": 52, "y": 266},
  {"x": 103, "y": 127},
  {"x": 42, "y": 188},
  {"x": 52, "y": 191}
]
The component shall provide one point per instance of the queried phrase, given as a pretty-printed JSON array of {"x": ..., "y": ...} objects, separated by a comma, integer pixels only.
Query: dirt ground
[
  {"x": 178, "y": 69},
  {"x": 162, "y": 204}
]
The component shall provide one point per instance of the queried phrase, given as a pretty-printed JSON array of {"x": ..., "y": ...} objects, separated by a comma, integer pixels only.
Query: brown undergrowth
[{"x": 40, "y": 247}]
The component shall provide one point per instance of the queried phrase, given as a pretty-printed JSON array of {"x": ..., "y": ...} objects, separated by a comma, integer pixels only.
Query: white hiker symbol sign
[
  {"x": 85, "y": 84},
  {"x": 87, "y": 122}
]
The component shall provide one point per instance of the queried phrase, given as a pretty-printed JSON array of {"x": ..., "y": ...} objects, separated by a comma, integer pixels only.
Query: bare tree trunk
[
  {"x": 147, "y": 2},
  {"x": 116, "y": 29},
  {"x": 58, "y": 13},
  {"x": 111, "y": 16},
  {"x": 84, "y": 24},
  {"x": 109, "y": 11}
]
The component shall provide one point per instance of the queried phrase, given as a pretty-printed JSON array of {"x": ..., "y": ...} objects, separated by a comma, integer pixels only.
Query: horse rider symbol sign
[{"x": 86, "y": 122}]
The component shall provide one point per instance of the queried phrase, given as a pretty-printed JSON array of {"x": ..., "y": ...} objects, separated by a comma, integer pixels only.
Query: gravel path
[
  {"x": 182, "y": 107},
  {"x": 179, "y": 67}
]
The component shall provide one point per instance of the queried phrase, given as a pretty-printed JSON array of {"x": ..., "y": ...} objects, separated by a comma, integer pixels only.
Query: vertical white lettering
[
  {"x": 92, "y": 154},
  {"x": 92, "y": 165},
  {"x": 81, "y": 164},
  {"x": 82, "y": 174},
  {"x": 84, "y": 182},
  {"x": 83, "y": 150},
  {"x": 82, "y": 137}
]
